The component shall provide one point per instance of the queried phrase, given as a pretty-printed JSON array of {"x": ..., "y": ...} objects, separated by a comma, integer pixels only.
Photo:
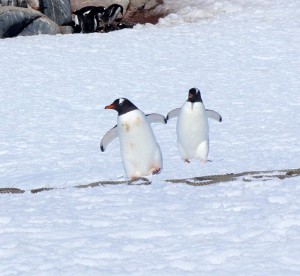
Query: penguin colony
[
  {"x": 91, "y": 19},
  {"x": 140, "y": 152}
]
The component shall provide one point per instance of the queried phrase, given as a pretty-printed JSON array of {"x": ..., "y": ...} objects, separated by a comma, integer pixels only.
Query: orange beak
[{"x": 111, "y": 106}]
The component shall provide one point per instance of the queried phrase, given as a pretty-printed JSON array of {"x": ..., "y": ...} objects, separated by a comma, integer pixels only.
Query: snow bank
[{"x": 53, "y": 93}]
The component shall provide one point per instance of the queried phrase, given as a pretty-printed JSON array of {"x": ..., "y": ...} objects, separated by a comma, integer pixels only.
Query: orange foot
[{"x": 156, "y": 170}]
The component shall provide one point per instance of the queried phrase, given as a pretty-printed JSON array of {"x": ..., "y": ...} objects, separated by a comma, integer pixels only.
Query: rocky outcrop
[
  {"x": 14, "y": 3},
  {"x": 58, "y": 11},
  {"x": 138, "y": 5},
  {"x": 143, "y": 11},
  {"x": 42, "y": 25},
  {"x": 16, "y": 21}
]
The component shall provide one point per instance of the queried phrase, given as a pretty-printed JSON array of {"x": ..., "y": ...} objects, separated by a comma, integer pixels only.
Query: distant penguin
[
  {"x": 140, "y": 152},
  {"x": 111, "y": 13},
  {"x": 86, "y": 19},
  {"x": 192, "y": 127}
]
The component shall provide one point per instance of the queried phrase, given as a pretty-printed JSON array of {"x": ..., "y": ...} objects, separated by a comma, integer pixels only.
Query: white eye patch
[
  {"x": 197, "y": 91},
  {"x": 121, "y": 101}
]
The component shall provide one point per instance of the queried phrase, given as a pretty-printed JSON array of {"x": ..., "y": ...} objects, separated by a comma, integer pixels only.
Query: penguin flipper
[
  {"x": 213, "y": 115},
  {"x": 156, "y": 118},
  {"x": 173, "y": 114},
  {"x": 108, "y": 138}
]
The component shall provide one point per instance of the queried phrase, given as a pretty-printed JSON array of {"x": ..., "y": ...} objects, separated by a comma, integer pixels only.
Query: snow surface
[{"x": 245, "y": 58}]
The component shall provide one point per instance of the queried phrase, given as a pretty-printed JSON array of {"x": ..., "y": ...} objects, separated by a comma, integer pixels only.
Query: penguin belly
[
  {"x": 140, "y": 152},
  {"x": 193, "y": 132}
]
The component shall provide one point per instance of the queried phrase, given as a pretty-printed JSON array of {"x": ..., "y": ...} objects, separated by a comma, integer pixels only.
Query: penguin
[
  {"x": 106, "y": 20},
  {"x": 86, "y": 19},
  {"x": 111, "y": 13},
  {"x": 192, "y": 127},
  {"x": 98, "y": 13},
  {"x": 140, "y": 152}
]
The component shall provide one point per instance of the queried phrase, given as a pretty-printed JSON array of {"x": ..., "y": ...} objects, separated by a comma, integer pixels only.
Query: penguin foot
[
  {"x": 155, "y": 170},
  {"x": 187, "y": 160}
]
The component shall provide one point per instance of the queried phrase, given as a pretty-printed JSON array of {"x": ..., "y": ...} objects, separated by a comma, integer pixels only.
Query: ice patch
[
  {"x": 278, "y": 199},
  {"x": 5, "y": 220},
  {"x": 221, "y": 256}
]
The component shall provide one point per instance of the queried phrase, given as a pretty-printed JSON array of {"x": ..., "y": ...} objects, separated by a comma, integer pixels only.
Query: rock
[
  {"x": 34, "y": 4},
  {"x": 57, "y": 10},
  {"x": 144, "y": 11},
  {"x": 141, "y": 5},
  {"x": 66, "y": 30},
  {"x": 41, "y": 25},
  {"x": 14, "y": 3},
  {"x": 13, "y": 20},
  {"x": 16, "y": 21}
]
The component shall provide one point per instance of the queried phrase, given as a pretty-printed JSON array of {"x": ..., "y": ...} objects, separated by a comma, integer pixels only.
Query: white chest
[
  {"x": 192, "y": 124},
  {"x": 139, "y": 150}
]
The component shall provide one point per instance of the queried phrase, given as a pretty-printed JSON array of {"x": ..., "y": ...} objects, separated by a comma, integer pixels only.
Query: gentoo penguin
[
  {"x": 192, "y": 127},
  {"x": 106, "y": 20},
  {"x": 111, "y": 13},
  {"x": 86, "y": 19},
  {"x": 140, "y": 152}
]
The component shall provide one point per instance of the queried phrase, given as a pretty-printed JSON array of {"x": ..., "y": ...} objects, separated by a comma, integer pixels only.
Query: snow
[{"x": 245, "y": 58}]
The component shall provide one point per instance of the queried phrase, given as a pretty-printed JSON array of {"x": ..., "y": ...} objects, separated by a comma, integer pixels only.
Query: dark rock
[
  {"x": 13, "y": 20},
  {"x": 42, "y": 25},
  {"x": 57, "y": 10},
  {"x": 22, "y": 21},
  {"x": 14, "y": 3}
]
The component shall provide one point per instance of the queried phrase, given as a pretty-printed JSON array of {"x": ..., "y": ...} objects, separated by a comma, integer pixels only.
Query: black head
[
  {"x": 115, "y": 7},
  {"x": 97, "y": 11},
  {"x": 194, "y": 95},
  {"x": 122, "y": 106},
  {"x": 100, "y": 9},
  {"x": 111, "y": 13}
]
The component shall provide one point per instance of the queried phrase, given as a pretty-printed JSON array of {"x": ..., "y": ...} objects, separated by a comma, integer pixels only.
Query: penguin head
[
  {"x": 98, "y": 12},
  {"x": 194, "y": 95},
  {"x": 114, "y": 7},
  {"x": 111, "y": 13},
  {"x": 122, "y": 106}
]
